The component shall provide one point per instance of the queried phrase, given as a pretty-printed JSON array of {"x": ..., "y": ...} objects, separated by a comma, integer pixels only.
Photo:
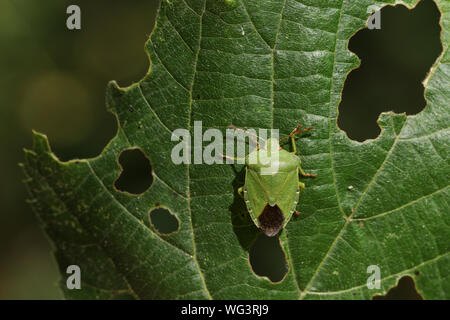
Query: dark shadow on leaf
[{"x": 243, "y": 226}]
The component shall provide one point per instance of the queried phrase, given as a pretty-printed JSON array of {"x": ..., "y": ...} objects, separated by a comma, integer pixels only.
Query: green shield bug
[{"x": 272, "y": 196}]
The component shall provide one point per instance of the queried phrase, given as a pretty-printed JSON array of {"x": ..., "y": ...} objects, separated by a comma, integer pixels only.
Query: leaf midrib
[
  {"x": 188, "y": 176},
  {"x": 316, "y": 272}
]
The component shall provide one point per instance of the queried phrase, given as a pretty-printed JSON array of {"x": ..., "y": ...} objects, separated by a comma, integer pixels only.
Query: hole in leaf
[
  {"x": 405, "y": 290},
  {"x": 163, "y": 221},
  {"x": 67, "y": 89},
  {"x": 136, "y": 176},
  {"x": 268, "y": 259},
  {"x": 394, "y": 62}
]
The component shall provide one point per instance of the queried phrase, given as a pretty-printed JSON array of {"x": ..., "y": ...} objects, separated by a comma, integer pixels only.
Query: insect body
[{"x": 272, "y": 187}]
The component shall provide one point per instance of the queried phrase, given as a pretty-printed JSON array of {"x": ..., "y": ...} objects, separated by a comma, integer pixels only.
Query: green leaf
[{"x": 254, "y": 64}]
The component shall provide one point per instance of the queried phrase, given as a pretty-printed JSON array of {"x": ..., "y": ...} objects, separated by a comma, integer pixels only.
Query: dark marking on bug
[
  {"x": 416, "y": 272},
  {"x": 175, "y": 195},
  {"x": 271, "y": 220},
  {"x": 156, "y": 204}
]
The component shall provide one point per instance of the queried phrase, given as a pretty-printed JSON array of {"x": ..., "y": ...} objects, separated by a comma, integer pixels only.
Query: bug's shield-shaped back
[{"x": 271, "y": 199}]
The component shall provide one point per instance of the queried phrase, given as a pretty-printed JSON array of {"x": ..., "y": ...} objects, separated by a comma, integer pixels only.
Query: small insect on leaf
[{"x": 272, "y": 195}]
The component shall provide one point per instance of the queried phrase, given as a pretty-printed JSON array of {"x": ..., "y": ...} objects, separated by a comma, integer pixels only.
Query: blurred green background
[{"x": 53, "y": 80}]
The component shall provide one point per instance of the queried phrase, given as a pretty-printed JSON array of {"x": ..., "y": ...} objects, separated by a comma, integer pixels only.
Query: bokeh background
[{"x": 53, "y": 80}]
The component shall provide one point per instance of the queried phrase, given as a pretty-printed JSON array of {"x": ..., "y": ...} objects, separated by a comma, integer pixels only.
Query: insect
[{"x": 271, "y": 198}]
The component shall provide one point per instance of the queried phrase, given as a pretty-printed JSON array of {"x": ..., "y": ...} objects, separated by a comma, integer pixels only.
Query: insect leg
[
  {"x": 293, "y": 133},
  {"x": 303, "y": 173},
  {"x": 241, "y": 192},
  {"x": 294, "y": 148},
  {"x": 301, "y": 185}
]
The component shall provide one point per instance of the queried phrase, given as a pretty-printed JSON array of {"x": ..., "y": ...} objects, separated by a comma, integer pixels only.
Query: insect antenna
[
  {"x": 254, "y": 138},
  {"x": 228, "y": 157},
  {"x": 296, "y": 131}
]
